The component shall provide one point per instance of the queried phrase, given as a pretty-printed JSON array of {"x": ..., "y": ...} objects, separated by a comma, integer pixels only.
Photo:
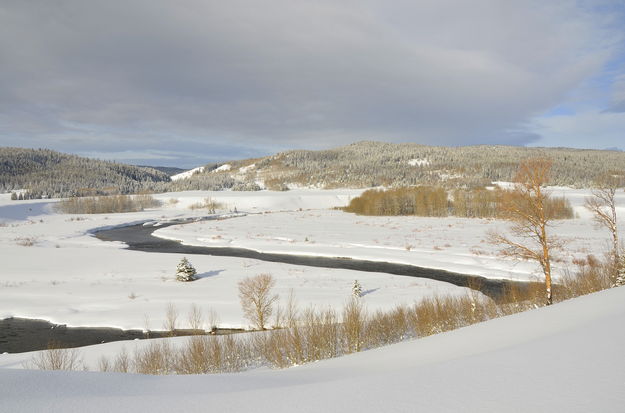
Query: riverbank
[{"x": 18, "y": 335}]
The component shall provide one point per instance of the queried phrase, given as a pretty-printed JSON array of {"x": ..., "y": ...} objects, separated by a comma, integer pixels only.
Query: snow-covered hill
[
  {"x": 187, "y": 174},
  {"x": 564, "y": 358}
]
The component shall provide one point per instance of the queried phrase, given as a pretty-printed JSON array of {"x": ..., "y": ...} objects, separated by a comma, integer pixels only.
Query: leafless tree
[
  {"x": 603, "y": 206},
  {"x": 524, "y": 206},
  {"x": 257, "y": 299},
  {"x": 171, "y": 318}
]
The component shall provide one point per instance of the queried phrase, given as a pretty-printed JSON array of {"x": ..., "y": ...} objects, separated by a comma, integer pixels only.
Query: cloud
[
  {"x": 111, "y": 76},
  {"x": 591, "y": 129}
]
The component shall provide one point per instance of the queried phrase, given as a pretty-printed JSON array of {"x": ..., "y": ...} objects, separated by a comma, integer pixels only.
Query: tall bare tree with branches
[
  {"x": 257, "y": 299},
  {"x": 524, "y": 206},
  {"x": 603, "y": 207}
]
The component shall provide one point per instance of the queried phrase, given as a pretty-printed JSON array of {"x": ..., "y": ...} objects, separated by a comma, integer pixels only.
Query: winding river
[{"x": 140, "y": 238}]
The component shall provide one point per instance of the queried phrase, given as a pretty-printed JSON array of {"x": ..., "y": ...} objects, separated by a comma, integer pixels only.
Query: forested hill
[
  {"x": 169, "y": 170},
  {"x": 45, "y": 172},
  {"x": 360, "y": 165},
  {"x": 368, "y": 164}
]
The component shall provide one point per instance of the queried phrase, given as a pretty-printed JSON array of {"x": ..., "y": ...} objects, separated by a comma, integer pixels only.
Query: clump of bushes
[
  {"x": 57, "y": 358},
  {"x": 209, "y": 204},
  {"x": 429, "y": 201},
  {"x": 107, "y": 204}
]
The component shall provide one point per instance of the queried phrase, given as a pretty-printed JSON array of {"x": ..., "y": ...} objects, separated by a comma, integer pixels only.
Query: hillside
[
  {"x": 169, "y": 170},
  {"x": 44, "y": 172},
  {"x": 367, "y": 164},
  {"x": 360, "y": 165}
]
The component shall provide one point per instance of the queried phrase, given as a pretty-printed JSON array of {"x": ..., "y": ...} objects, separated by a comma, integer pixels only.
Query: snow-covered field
[
  {"x": 564, "y": 358},
  {"x": 455, "y": 244},
  {"x": 68, "y": 276}
]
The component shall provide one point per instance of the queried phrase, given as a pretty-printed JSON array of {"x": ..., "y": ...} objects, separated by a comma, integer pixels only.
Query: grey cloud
[
  {"x": 256, "y": 76},
  {"x": 618, "y": 107}
]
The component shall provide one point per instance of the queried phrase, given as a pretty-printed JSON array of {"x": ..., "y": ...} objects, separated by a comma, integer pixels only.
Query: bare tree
[
  {"x": 196, "y": 320},
  {"x": 257, "y": 299},
  {"x": 171, "y": 318},
  {"x": 603, "y": 206},
  {"x": 525, "y": 207}
]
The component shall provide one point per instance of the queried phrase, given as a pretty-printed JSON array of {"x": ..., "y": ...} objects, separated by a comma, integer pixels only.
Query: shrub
[
  {"x": 107, "y": 204},
  {"x": 437, "y": 202},
  {"x": 57, "y": 358},
  {"x": 209, "y": 204}
]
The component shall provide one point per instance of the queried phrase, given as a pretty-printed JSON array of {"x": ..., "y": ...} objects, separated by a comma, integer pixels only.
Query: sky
[{"x": 185, "y": 83}]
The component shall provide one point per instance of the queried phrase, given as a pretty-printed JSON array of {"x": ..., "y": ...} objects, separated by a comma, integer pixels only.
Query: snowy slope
[
  {"x": 187, "y": 174},
  {"x": 565, "y": 358}
]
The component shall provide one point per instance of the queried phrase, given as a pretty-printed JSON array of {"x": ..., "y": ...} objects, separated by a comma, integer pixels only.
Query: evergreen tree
[
  {"x": 185, "y": 271},
  {"x": 357, "y": 289}
]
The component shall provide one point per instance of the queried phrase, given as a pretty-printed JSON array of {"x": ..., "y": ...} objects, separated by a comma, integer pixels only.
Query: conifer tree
[
  {"x": 357, "y": 289},
  {"x": 185, "y": 271}
]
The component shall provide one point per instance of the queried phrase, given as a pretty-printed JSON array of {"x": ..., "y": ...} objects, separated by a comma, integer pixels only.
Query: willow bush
[
  {"x": 107, "y": 204},
  {"x": 429, "y": 201}
]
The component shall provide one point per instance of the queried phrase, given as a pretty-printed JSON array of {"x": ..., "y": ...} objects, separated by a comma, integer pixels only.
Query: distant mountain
[
  {"x": 366, "y": 164},
  {"x": 44, "y": 172}
]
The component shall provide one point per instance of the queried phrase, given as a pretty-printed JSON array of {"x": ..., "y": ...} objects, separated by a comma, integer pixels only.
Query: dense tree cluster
[
  {"x": 360, "y": 165},
  {"x": 367, "y": 164},
  {"x": 46, "y": 173},
  {"x": 430, "y": 201}
]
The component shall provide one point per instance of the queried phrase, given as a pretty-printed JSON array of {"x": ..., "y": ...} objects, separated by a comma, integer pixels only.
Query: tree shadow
[
  {"x": 209, "y": 274},
  {"x": 369, "y": 292}
]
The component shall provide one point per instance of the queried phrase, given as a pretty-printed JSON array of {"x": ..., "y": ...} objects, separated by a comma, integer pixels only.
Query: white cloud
[{"x": 591, "y": 129}]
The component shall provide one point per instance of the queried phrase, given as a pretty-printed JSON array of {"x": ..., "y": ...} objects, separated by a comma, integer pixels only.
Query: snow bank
[
  {"x": 418, "y": 162},
  {"x": 563, "y": 358}
]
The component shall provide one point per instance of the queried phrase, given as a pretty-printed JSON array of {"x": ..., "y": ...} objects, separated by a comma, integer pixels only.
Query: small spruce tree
[
  {"x": 185, "y": 271},
  {"x": 357, "y": 289}
]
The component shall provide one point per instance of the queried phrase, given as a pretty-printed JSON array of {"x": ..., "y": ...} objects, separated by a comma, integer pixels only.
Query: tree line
[
  {"x": 42, "y": 173},
  {"x": 46, "y": 173},
  {"x": 430, "y": 201}
]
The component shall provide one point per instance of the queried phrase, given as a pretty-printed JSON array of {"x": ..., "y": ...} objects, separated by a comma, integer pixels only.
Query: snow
[
  {"x": 70, "y": 277},
  {"x": 245, "y": 169},
  {"x": 222, "y": 168},
  {"x": 418, "y": 162},
  {"x": 561, "y": 358},
  {"x": 454, "y": 244},
  {"x": 187, "y": 174},
  {"x": 566, "y": 357}
]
